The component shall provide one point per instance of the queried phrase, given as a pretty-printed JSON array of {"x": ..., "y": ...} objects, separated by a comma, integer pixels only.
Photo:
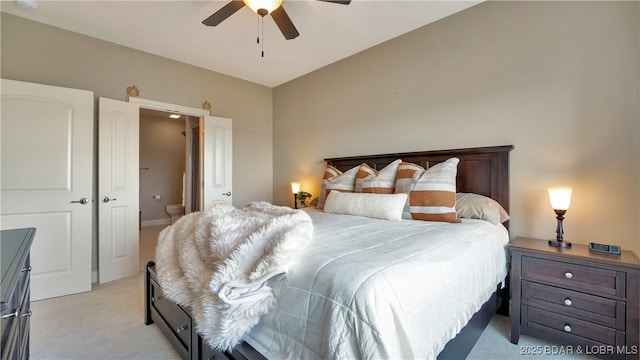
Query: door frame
[
  {"x": 171, "y": 108},
  {"x": 168, "y": 107}
]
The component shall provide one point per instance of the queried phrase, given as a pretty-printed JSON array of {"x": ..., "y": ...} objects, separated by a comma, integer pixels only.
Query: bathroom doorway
[
  {"x": 169, "y": 166},
  {"x": 118, "y": 121}
]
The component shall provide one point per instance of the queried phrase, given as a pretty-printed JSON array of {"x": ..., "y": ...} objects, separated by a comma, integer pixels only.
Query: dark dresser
[
  {"x": 15, "y": 302},
  {"x": 587, "y": 301}
]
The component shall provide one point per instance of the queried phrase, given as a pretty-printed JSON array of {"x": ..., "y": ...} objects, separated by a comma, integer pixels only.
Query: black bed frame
[{"x": 482, "y": 170}]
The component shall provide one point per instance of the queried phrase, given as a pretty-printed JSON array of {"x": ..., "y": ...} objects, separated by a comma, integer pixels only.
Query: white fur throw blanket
[{"x": 218, "y": 262}]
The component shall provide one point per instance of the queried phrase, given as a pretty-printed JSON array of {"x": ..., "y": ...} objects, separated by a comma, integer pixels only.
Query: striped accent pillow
[
  {"x": 329, "y": 173},
  {"x": 383, "y": 181},
  {"x": 406, "y": 176},
  {"x": 433, "y": 196},
  {"x": 345, "y": 182},
  {"x": 363, "y": 172}
]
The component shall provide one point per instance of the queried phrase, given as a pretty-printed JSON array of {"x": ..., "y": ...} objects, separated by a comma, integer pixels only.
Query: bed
[{"x": 308, "y": 323}]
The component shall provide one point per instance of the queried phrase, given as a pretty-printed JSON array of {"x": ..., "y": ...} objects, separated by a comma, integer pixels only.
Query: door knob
[
  {"x": 106, "y": 199},
  {"x": 15, "y": 313},
  {"x": 82, "y": 201},
  {"x": 228, "y": 193}
]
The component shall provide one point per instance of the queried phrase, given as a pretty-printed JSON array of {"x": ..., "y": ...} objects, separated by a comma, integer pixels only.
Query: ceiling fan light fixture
[{"x": 259, "y": 6}]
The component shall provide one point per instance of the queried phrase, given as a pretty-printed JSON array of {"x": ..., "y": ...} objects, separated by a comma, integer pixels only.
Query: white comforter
[{"x": 377, "y": 289}]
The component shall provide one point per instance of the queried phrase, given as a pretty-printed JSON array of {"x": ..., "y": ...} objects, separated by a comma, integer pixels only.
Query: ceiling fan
[{"x": 263, "y": 8}]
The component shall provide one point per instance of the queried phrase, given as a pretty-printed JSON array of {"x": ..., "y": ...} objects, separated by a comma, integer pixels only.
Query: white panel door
[
  {"x": 118, "y": 185},
  {"x": 216, "y": 143},
  {"x": 46, "y": 182}
]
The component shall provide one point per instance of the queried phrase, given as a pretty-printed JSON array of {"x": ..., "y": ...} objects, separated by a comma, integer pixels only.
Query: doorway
[
  {"x": 215, "y": 143},
  {"x": 169, "y": 165}
]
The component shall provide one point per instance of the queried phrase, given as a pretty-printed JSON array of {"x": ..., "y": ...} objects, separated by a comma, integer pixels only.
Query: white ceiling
[{"x": 174, "y": 29}]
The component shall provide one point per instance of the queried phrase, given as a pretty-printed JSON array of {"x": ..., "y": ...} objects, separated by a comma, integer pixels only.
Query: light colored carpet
[
  {"x": 105, "y": 323},
  {"x": 108, "y": 323}
]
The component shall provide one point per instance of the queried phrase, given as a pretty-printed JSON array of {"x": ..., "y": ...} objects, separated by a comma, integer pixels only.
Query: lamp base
[{"x": 559, "y": 244}]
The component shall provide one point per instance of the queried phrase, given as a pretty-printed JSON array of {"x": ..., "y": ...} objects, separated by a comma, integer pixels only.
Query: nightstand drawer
[
  {"x": 579, "y": 277},
  {"x": 600, "y": 310},
  {"x": 570, "y": 330}
]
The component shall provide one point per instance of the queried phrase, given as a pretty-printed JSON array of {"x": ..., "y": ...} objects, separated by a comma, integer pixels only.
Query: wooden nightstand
[{"x": 575, "y": 297}]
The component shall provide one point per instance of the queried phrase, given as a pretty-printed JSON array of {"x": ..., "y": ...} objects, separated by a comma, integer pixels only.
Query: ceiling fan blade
[
  {"x": 226, "y": 11},
  {"x": 284, "y": 23},
  {"x": 343, "y": 2}
]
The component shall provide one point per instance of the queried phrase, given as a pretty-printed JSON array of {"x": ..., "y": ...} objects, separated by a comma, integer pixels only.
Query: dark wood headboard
[{"x": 482, "y": 170}]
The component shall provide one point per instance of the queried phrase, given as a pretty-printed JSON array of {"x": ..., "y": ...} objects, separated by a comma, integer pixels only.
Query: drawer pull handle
[
  {"x": 568, "y": 302},
  {"x": 567, "y": 328},
  {"x": 568, "y": 275},
  {"x": 27, "y": 314},
  {"x": 181, "y": 329},
  {"x": 28, "y": 268}
]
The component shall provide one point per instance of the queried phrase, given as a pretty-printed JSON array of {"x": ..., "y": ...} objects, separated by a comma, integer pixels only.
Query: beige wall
[
  {"x": 559, "y": 81},
  {"x": 162, "y": 163},
  {"x": 43, "y": 54}
]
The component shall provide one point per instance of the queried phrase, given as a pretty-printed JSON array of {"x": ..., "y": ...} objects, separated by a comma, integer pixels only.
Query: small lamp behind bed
[
  {"x": 295, "y": 189},
  {"x": 560, "y": 198}
]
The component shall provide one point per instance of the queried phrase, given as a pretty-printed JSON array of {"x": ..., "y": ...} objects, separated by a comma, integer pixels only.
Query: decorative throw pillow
[
  {"x": 329, "y": 173},
  {"x": 476, "y": 206},
  {"x": 344, "y": 182},
  {"x": 363, "y": 172},
  {"x": 378, "y": 206},
  {"x": 380, "y": 182},
  {"x": 433, "y": 196},
  {"x": 407, "y": 174}
]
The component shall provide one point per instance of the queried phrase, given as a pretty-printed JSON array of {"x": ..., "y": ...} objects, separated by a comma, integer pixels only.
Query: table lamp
[
  {"x": 295, "y": 189},
  {"x": 560, "y": 198}
]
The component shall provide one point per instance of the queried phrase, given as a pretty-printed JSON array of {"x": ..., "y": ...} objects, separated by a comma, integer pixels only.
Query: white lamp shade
[
  {"x": 268, "y": 5},
  {"x": 560, "y": 197},
  {"x": 295, "y": 187}
]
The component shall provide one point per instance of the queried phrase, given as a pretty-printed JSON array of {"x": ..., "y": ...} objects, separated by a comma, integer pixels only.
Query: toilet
[{"x": 176, "y": 211}]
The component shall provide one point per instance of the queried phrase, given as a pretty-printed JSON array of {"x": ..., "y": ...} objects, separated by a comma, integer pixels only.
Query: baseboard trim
[{"x": 146, "y": 223}]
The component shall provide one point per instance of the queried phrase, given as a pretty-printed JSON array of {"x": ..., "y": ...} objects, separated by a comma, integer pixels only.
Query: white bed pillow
[
  {"x": 378, "y": 206},
  {"x": 476, "y": 206}
]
